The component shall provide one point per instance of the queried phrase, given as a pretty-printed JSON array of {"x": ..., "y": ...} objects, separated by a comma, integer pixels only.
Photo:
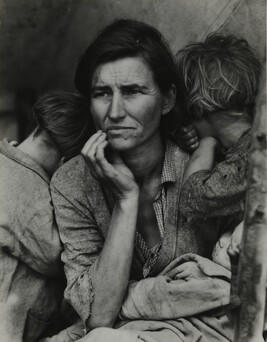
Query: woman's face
[{"x": 126, "y": 103}]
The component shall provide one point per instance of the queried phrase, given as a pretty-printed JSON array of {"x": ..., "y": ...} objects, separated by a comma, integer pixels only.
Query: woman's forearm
[{"x": 112, "y": 271}]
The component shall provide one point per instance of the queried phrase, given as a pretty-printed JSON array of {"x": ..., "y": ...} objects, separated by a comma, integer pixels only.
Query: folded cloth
[
  {"x": 166, "y": 297},
  {"x": 182, "y": 304},
  {"x": 180, "y": 330}
]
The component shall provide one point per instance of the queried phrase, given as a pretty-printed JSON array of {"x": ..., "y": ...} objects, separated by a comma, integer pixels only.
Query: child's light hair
[{"x": 222, "y": 73}]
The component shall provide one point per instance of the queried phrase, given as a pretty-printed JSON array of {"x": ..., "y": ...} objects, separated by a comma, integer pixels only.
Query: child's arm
[
  {"x": 218, "y": 191},
  {"x": 202, "y": 158}
]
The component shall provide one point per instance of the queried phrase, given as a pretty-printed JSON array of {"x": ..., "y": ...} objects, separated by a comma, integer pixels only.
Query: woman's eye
[
  {"x": 130, "y": 92},
  {"x": 101, "y": 94}
]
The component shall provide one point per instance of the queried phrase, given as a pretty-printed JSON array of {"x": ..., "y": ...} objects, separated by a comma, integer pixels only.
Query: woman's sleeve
[
  {"x": 82, "y": 243},
  {"x": 220, "y": 192}
]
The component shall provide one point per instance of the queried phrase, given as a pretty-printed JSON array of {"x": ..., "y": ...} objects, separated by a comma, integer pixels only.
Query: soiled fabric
[
  {"x": 165, "y": 297},
  {"x": 166, "y": 309},
  {"x": 83, "y": 211},
  {"x": 31, "y": 273},
  {"x": 180, "y": 330},
  {"x": 220, "y": 192}
]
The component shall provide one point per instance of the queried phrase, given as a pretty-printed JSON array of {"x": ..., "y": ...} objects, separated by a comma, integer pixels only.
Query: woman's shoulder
[{"x": 73, "y": 174}]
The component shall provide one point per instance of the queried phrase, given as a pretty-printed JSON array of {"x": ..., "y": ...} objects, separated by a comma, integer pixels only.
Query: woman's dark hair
[
  {"x": 128, "y": 38},
  {"x": 221, "y": 73},
  {"x": 66, "y": 120}
]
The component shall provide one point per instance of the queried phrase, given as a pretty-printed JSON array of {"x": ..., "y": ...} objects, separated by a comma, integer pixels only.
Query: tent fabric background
[{"x": 42, "y": 41}]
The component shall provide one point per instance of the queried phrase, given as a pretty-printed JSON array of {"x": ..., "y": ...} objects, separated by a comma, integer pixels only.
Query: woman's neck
[{"x": 146, "y": 161}]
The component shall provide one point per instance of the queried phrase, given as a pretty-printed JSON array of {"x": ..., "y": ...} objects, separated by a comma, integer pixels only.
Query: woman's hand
[
  {"x": 114, "y": 173},
  {"x": 189, "y": 269}
]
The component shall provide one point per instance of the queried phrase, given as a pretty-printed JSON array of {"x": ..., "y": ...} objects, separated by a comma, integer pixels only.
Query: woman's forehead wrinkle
[{"x": 122, "y": 72}]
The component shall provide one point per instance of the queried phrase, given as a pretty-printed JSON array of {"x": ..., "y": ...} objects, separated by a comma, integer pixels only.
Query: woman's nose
[{"x": 116, "y": 109}]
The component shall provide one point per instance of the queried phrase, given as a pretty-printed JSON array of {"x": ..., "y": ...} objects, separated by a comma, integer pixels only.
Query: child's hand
[
  {"x": 236, "y": 239},
  {"x": 186, "y": 137}
]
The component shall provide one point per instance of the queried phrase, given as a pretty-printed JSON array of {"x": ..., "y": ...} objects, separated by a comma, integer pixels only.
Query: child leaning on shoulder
[{"x": 219, "y": 81}]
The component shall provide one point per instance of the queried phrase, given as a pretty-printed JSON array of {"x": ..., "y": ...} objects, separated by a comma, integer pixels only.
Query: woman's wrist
[{"x": 129, "y": 199}]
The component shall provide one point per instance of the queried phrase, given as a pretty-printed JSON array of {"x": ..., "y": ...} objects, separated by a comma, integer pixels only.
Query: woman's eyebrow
[{"x": 133, "y": 86}]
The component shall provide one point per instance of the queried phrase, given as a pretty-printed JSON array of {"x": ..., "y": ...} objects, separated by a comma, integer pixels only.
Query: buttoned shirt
[
  {"x": 83, "y": 210},
  {"x": 168, "y": 175}
]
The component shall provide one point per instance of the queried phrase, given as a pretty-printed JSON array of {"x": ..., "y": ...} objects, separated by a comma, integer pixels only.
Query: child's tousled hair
[
  {"x": 221, "y": 73},
  {"x": 66, "y": 120}
]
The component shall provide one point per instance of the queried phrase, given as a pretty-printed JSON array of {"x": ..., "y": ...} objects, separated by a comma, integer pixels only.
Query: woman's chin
[{"x": 120, "y": 144}]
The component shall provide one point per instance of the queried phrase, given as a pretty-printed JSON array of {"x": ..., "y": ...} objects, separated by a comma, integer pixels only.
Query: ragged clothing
[
  {"x": 31, "y": 273},
  {"x": 220, "y": 192},
  {"x": 83, "y": 210},
  {"x": 169, "y": 308},
  {"x": 172, "y": 296}
]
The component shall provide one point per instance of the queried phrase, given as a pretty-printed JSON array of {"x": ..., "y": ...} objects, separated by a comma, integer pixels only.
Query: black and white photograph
[{"x": 133, "y": 171}]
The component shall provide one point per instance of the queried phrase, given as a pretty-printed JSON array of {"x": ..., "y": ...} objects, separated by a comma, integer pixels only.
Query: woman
[{"x": 120, "y": 221}]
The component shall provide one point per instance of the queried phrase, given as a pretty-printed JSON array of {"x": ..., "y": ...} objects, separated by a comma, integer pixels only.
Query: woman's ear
[{"x": 169, "y": 100}]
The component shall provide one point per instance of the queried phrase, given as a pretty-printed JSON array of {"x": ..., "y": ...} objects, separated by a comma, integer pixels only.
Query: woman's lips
[{"x": 117, "y": 129}]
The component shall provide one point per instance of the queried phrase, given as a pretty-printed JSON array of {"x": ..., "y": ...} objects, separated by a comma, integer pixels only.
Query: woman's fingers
[
  {"x": 175, "y": 271},
  {"x": 106, "y": 170},
  {"x": 115, "y": 172},
  {"x": 99, "y": 150},
  {"x": 182, "y": 275},
  {"x": 89, "y": 153},
  {"x": 101, "y": 161},
  {"x": 89, "y": 148},
  {"x": 92, "y": 142}
]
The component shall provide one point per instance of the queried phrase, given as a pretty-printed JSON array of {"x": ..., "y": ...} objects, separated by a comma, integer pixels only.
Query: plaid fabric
[{"x": 159, "y": 205}]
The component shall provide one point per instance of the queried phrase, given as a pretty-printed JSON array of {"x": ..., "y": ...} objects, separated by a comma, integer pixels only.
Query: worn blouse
[{"x": 83, "y": 211}]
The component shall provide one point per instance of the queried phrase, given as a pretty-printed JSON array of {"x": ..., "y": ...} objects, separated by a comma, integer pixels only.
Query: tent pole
[{"x": 252, "y": 267}]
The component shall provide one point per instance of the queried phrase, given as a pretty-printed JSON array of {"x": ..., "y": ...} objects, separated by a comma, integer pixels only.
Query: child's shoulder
[{"x": 241, "y": 147}]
